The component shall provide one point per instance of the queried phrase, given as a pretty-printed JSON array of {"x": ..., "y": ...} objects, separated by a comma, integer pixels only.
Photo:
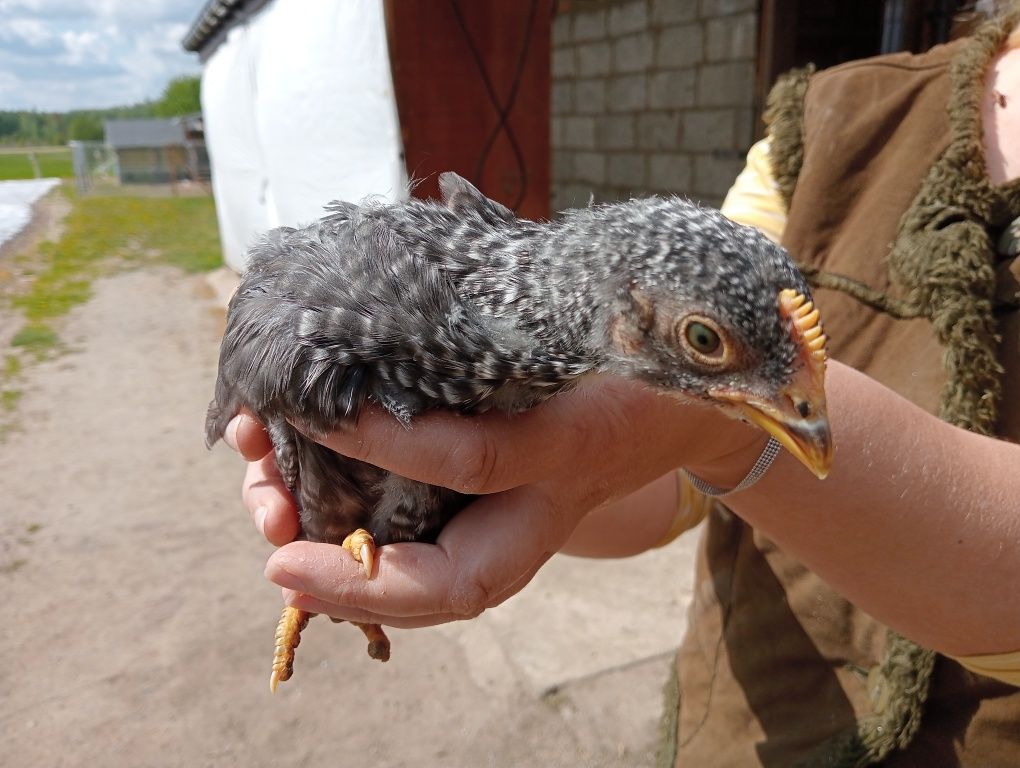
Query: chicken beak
[
  {"x": 797, "y": 419},
  {"x": 796, "y": 415}
]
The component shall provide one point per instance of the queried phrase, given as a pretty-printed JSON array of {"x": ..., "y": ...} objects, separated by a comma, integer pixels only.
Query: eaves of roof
[
  {"x": 126, "y": 134},
  {"x": 215, "y": 20}
]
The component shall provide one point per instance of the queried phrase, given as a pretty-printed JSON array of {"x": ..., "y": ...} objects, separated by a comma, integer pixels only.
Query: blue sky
[{"x": 58, "y": 55}]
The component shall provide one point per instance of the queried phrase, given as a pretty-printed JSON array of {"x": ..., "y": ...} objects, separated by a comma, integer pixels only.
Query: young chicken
[{"x": 462, "y": 305}]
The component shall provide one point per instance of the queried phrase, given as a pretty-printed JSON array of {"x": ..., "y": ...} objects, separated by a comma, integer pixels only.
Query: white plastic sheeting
[
  {"x": 16, "y": 201},
  {"x": 299, "y": 110}
]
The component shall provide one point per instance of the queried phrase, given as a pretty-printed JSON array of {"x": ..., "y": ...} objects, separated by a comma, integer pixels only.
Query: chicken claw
[
  {"x": 288, "y": 636},
  {"x": 288, "y": 632},
  {"x": 378, "y": 643},
  {"x": 361, "y": 544}
]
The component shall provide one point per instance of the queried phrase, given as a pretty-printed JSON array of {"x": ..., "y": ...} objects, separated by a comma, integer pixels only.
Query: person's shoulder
[
  {"x": 937, "y": 58},
  {"x": 880, "y": 81},
  {"x": 889, "y": 71}
]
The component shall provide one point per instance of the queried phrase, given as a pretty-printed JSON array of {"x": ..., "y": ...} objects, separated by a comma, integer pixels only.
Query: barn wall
[
  {"x": 651, "y": 96},
  {"x": 472, "y": 85},
  {"x": 152, "y": 165}
]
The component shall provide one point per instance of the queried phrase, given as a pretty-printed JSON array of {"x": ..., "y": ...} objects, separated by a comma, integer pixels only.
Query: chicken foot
[{"x": 294, "y": 620}]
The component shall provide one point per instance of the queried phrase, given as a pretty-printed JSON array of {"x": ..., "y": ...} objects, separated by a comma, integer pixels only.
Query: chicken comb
[{"x": 807, "y": 327}]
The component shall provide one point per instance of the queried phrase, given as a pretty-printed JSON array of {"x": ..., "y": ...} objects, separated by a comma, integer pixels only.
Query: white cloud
[
  {"x": 60, "y": 54},
  {"x": 8, "y": 82},
  {"x": 32, "y": 31},
  {"x": 82, "y": 46}
]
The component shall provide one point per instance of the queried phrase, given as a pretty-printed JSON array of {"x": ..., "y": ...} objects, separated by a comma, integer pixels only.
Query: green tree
[
  {"x": 85, "y": 126},
  {"x": 181, "y": 97},
  {"x": 9, "y": 125}
]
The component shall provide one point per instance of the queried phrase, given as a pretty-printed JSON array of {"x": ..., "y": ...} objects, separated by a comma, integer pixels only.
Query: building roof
[
  {"x": 214, "y": 21},
  {"x": 128, "y": 134}
]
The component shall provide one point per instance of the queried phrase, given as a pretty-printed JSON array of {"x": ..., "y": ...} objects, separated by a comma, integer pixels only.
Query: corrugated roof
[
  {"x": 213, "y": 21},
  {"x": 125, "y": 134}
]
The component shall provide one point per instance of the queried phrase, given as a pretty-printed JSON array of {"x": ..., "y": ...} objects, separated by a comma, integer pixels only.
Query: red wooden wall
[{"x": 472, "y": 86}]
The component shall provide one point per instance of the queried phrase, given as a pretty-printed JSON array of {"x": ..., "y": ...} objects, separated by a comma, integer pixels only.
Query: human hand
[
  {"x": 537, "y": 474},
  {"x": 263, "y": 492}
]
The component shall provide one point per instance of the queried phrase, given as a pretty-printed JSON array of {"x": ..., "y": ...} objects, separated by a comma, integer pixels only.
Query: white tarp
[
  {"x": 16, "y": 201},
  {"x": 299, "y": 110}
]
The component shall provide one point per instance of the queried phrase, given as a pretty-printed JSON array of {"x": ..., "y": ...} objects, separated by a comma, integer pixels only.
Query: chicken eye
[{"x": 702, "y": 338}]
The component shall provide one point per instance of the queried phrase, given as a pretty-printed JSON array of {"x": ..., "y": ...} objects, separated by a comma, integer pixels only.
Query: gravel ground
[{"x": 139, "y": 629}]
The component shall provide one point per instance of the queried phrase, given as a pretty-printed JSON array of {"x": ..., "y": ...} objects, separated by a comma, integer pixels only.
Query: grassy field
[
  {"x": 15, "y": 163},
  {"x": 103, "y": 234}
]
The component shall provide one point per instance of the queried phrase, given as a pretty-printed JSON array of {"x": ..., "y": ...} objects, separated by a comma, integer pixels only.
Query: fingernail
[
  {"x": 230, "y": 433},
  {"x": 260, "y": 519},
  {"x": 278, "y": 574}
]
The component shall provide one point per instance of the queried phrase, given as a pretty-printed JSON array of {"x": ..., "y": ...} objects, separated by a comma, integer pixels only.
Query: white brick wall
[{"x": 651, "y": 96}]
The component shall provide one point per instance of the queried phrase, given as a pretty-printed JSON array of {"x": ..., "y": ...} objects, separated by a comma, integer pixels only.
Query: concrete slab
[
  {"x": 616, "y": 712},
  {"x": 581, "y": 616}
]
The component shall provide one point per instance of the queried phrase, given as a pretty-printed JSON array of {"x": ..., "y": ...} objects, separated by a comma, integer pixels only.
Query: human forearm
[
  {"x": 627, "y": 526},
  {"x": 916, "y": 524}
]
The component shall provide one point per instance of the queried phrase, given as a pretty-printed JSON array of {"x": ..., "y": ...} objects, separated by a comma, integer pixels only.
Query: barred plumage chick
[{"x": 462, "y": 305}]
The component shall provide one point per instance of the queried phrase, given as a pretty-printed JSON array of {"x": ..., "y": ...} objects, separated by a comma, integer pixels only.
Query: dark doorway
[{"x": 794, "y": 33}]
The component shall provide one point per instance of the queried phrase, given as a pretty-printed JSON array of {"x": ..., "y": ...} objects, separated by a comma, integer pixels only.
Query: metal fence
[
  {"x": 94, "y": 163},
  {"x": 99, "y": 166}
]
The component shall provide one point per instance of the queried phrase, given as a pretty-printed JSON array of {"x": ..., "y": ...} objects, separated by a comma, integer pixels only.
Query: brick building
[
  {"x": 651, "y": 96},
  {"x": 664, "y": 96}
]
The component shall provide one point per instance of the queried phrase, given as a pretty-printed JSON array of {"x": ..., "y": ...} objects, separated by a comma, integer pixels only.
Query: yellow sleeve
[
  {"x": 691, "y": 508},
  {"x": 1001, "y": 666},
  {"x": 754, "y": 198}
]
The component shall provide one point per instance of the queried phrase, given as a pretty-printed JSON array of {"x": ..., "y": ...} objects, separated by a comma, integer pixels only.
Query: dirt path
[
  {"x": 138, "y": 624},
  {"x": 15, "y": 271}
]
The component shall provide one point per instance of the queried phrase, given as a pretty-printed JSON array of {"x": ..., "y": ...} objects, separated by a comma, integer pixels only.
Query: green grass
[
  {"x": 56, "y": 165},
  {"x": 36, "y": 338},
  {"x": 9, "y": 398},
  {"x": 15, "y": 167},
  {"x": 52, "y": 163},
  {"x": 10, "y": 394},
  {"x": 102, "y": 234},
  {"x": 11, "y": 367}
]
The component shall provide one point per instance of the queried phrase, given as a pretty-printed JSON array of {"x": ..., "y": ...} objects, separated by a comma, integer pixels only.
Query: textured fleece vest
[{"x": 776, "y": 664}]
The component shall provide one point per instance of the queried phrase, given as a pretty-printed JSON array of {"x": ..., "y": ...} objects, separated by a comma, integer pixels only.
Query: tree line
[{"x": 31, "y": 128}]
